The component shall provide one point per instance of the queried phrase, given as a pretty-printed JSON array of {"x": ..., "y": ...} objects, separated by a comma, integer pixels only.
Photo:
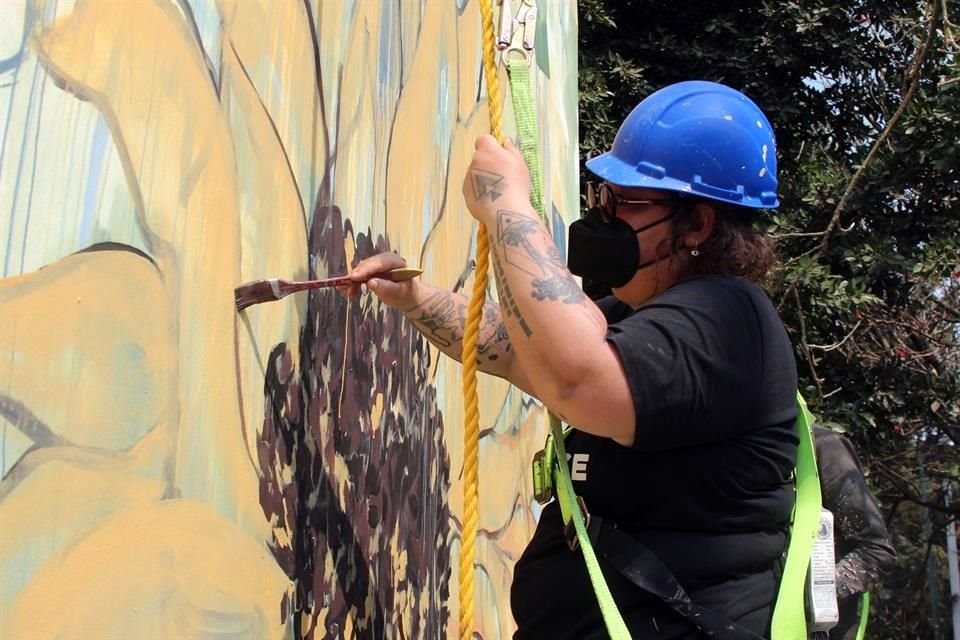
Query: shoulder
[
  {"x": 613, "y": 310},
  {"x": 826, "y": 439},
  {"x": 823, "y": 436},
  {"x": 714, "y": 290},
  {"x": 834, "y": 450},
  {"x": 723, "y": 302},
  {"x": 709, "y": 293}
]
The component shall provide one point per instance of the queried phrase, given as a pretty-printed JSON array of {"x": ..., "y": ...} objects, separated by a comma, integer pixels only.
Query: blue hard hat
[{"x": 699, "y": 138}]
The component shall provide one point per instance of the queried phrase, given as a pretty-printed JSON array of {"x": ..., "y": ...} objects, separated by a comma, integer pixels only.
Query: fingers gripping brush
[{"x": 259, "y": 291}]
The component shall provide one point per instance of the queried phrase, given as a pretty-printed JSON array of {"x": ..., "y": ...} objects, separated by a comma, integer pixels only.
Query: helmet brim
[{"x": 611, "y": 169}]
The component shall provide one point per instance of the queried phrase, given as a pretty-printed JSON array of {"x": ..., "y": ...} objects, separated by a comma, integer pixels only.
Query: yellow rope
[{"x": 471, "y": 333}]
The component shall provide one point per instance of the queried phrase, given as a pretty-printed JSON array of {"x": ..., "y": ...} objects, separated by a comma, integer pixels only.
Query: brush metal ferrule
[{"x": 275, "y": 286}]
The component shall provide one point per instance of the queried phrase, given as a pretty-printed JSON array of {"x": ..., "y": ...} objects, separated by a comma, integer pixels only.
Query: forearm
[
  {"x": 860, "y": 569},
  {"x": 440, "y": 315},
  {"x": 552, "y": 324}
]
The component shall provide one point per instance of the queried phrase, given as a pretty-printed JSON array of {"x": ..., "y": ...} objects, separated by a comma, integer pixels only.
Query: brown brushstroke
[
  {"x": 65, "y": 451},
  {"x": 119, "y": 246},
  {"x": 397, "y": 471},
  {"x": 244, "y": 431}
]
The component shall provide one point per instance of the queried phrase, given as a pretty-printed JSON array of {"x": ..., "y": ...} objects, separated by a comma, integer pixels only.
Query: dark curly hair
[{"x": 735, "y": 248}]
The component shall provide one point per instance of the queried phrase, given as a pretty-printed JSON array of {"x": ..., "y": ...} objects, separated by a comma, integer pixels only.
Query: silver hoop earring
[{"x": 695, "y": 252}]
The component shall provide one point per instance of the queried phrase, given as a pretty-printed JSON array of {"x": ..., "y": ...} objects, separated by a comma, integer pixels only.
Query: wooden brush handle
[{"x": 394, "y": 275}]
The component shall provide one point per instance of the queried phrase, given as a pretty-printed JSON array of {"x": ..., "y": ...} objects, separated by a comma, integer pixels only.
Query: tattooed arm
[
  {"x": 557, "y": 334},
  {"x": 439, "y": 315}
]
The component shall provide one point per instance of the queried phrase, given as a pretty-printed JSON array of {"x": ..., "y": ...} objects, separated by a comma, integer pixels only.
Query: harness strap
[
  {"x": 789, "y": 615},
  {"x": 641, "y": 566},
  {"x": 644, "y": 569},
  {"x": 574, "y": 513},
  {"x": 864, "y": 614}
]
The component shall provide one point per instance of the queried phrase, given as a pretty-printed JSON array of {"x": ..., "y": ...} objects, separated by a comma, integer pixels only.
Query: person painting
[{"x": 680, "y": 387}]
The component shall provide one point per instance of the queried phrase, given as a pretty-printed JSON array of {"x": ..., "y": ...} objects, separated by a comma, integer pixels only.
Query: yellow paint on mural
[
  {"x": 59, "y": 494},
  {"x": 273, "y": 241},
  {"x": 161, "y": 497},
  {"x": 273, "y": 42},
  {"x": 90, "y": 330},
  {"x": 177, "y": 143},
  {"x": 417, "y": 174},
  {"x": 168, "y": 569}
]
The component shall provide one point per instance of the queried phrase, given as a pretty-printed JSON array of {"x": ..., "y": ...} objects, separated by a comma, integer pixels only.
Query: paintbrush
[{"x": 275, "y": 288}]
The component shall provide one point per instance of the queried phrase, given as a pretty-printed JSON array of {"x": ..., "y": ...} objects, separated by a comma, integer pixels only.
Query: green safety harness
[
  {"x": 864, "y": 614},
  {"x": 639, "y": 565}
]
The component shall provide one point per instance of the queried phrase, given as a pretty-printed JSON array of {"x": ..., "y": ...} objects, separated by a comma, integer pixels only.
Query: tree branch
[
  {"x": 911, "y": 84},
  {"x": 804, "y": 346}
]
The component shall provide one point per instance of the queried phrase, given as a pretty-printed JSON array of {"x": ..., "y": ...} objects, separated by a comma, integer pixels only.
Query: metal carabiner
[
  {"x": 517, "y": 32},
  {"x": 543, "y": 465}
]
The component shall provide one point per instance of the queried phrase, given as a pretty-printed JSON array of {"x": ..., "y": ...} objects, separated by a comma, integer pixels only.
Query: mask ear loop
[
  {"x": 680, "y": 204},
  {"x": 683, "y": 204}
]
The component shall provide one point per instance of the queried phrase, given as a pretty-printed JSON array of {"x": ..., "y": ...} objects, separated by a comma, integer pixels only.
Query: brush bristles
[{"x": 254, "y": 293}]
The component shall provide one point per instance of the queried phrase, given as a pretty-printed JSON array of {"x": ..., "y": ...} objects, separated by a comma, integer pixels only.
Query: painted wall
[{"x": 173, "y": 469}]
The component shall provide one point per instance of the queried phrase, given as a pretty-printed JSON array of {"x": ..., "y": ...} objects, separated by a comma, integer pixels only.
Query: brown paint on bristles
[{"x": 259, "y": 291}]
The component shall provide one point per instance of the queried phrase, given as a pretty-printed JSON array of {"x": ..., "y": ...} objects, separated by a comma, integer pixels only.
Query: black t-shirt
[{"x": 707, "y": 485}]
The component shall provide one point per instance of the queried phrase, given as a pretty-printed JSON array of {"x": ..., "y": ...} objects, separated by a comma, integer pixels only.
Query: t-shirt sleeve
[
  {"x": 695, "y": 365},
  {"x": 613, "y": 310}
]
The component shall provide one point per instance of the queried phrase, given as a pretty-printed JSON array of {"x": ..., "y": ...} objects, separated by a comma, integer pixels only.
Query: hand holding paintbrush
[{"x": 259, "y": 291}]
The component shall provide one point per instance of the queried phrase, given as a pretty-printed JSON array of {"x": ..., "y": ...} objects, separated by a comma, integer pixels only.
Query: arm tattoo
[
  {"x": 497, "y": 340},
  {"x": 507, "y": 302},
  {"x": 551, "y": 280},
  {"x": 440, "y": 318}
]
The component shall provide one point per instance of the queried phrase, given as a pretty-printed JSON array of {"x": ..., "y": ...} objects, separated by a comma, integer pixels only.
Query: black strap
[{"x": 644, "y": 569}]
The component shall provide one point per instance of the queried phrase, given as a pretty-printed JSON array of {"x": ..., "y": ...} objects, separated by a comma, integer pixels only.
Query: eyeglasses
[{"x": 602, "y": 197}]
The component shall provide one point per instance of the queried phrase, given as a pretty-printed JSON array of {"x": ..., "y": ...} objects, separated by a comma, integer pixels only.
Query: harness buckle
[
  {"x": 542, "y": 477},
  {"x": 516, "y": 33},
  {"x": 570, "y": 529}
]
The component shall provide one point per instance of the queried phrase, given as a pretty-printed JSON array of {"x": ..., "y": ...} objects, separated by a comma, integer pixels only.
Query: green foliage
[{"x": 865, "y": 103}]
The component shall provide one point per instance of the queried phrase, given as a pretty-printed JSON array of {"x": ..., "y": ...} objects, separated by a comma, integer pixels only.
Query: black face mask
[{"x": 607, "y": 252}]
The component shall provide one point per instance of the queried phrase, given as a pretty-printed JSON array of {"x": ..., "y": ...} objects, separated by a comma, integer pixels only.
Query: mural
[{"x": 171, "y": 468}]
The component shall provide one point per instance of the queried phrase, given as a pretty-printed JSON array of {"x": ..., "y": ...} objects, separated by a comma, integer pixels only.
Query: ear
[{"x": 702, "y": 220}]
